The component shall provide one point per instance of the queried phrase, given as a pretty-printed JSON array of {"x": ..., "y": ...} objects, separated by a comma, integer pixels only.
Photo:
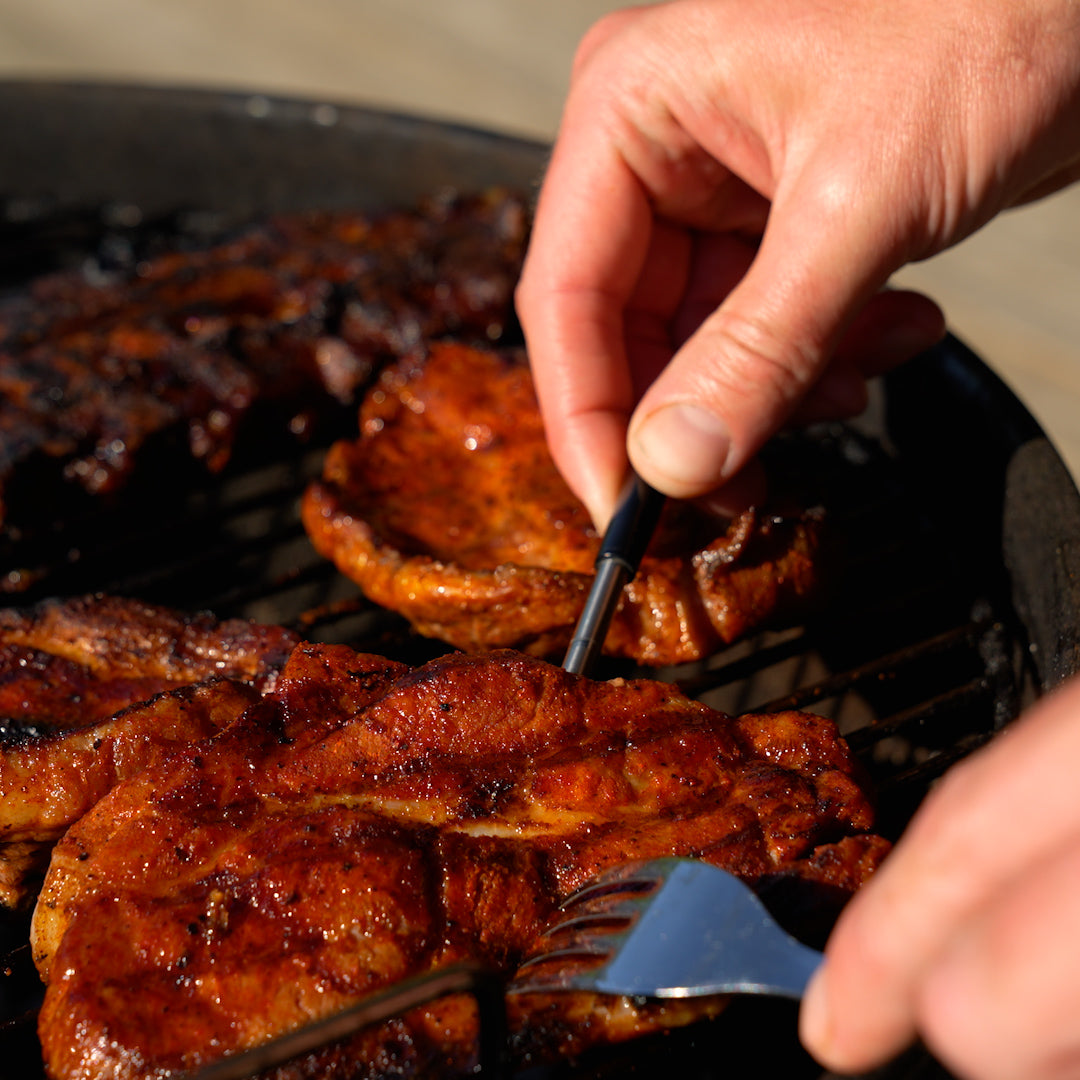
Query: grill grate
[
  {"x": 919, "y": 656},
  {"x": 936, "y": 675}
]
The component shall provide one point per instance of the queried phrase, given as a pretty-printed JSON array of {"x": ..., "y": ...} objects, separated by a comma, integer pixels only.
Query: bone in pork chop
[
  {"x": 288, "y": 317},
  {"x": 71, "y": 675},
  {"x": 253, "y": 883},
  {"x": 449, "y": 509}
]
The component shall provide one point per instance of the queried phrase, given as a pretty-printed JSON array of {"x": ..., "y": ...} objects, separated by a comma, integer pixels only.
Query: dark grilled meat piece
[
  {"x": 250, "y": 884},
  {"x": 71, "y": 674},
  {"x": 288, "y": 317},
  {"x": 449, "y": 509}
]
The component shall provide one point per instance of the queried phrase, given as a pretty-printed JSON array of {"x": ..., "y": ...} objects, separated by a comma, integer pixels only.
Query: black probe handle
[
  {"x": 624, "y": 543},
  {"x": 631, "y": 528}
]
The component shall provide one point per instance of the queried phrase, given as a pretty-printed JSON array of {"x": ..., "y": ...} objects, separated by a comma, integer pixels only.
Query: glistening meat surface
[
  {"x": 363, "y": 822},
  {"x": 67, "y": 663},
  {"x": 449, "y": 509},
  {"x": 72, "y": 675}
]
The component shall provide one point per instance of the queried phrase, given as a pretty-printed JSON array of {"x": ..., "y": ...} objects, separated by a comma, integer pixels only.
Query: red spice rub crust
[{"x": 449, "y": 509}]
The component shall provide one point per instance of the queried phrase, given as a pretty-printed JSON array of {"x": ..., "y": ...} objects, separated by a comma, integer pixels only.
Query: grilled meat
[
  {"x": 48, "y": 782},
  {"x": 287, "y": 317},
  {"x": 68, "y": 663},
  {"x": 71, "y": 674},
  {"x": 449, "y": 509},
  {"x": 361, "y": 823}
]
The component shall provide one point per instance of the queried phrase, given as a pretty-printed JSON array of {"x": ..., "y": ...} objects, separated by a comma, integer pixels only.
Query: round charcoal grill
[{"x": 957, "y": 606}]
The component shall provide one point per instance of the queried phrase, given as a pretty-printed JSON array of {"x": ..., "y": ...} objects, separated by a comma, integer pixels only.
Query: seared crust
[
  {"x": 71, "y": 675},
  {"x": 47, "y": 782},
  {"x": 289, "y": 316},
  {"x": 449, "y": 509},
  {"x": 249, "y": 885},
  {"x": 67, "y": 663}
]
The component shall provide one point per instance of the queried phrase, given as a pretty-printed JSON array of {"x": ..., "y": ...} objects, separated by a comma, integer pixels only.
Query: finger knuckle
[{"x": 598, "y": 35}]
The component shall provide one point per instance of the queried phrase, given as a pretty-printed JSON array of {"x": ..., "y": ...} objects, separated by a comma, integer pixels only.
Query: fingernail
[{"x": 685, "y": 445}]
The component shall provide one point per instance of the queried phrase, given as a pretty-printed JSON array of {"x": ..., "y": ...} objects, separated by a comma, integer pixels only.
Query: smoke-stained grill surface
[{"x": 960, "y": 602}]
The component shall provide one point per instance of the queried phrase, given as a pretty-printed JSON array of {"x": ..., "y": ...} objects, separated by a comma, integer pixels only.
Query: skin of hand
[
  {"x": 968, "y": 933},
  {"x": 733, "y": 184}
]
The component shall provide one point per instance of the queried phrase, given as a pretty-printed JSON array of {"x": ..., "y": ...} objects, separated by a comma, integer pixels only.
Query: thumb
[{"x": 741, "y": 375}]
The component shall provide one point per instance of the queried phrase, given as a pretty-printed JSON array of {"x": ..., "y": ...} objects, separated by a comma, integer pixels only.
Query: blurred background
[{"x": 1012, "y": 292}]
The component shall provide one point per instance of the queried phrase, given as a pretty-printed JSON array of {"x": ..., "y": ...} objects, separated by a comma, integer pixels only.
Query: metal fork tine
[
  {"x": 552, "y": 980},
  {"x": 598, "y": 917},
  {"x": 585, "y": 951},
  {"x": 692, "y": 930},
  {"x": 610, "y": 884}
]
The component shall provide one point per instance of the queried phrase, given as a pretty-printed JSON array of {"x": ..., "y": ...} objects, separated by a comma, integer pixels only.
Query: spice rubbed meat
[
  {"x": 363, "y": 822},
  {"x": 67, "y": 663},
  {"x": 76, "y": 679},
  {"x": 285, "y": 318},
  {"x": 449, "y": 509}
]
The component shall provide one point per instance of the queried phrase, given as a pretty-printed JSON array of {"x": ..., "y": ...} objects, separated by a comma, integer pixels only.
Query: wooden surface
[{"x": 1012, "y": 292}]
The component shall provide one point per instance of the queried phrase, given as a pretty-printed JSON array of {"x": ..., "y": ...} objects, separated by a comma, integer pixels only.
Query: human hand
[
  {"x": 968, "y": 932},
  {"x": 732, "y": 185}
]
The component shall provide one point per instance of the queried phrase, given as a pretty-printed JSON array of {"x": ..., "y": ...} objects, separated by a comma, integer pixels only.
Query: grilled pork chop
[
  {"x": 363, "y": 822},
  {"x": 288, "y": 316},
  {"x": 67, "y": 663},
  {"x": 449, "y": 509},
  {"x": 71, "y": 675}
]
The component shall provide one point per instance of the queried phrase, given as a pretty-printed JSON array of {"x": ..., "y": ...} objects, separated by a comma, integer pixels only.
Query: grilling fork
[{"x": 667, "y": 928}]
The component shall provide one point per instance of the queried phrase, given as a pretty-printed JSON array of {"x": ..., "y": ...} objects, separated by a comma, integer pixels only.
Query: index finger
[{"x": 590, "y": 236}]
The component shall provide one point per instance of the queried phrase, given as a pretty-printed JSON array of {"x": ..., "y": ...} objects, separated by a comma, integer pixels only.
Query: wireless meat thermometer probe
[{"x": 620, "y": 554}]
